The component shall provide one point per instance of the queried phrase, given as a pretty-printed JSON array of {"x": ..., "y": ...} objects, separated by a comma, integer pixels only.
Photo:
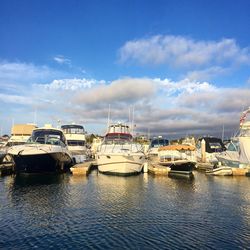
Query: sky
[{"x": 182, "y": 66}]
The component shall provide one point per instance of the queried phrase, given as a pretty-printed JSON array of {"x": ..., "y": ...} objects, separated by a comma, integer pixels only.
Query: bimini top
[
  {"x": 213, "y": 144},
  {"x": 178, "y": 147}
]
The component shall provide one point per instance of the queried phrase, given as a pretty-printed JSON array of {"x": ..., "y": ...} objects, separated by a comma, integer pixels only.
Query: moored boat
[
  {"x": 45, "y": 151},
  {"x": 154, "y": 146},
  {"x": 118, "y": 154},
  {"x": 76, "y": 141},
  {"x": 237, "y": 154},
  {"x": 230, "y": 157},
  {"x": 213, "y": 147},
  {"x": 220, "y": 170},
  {"x": 180, "y": 158}
]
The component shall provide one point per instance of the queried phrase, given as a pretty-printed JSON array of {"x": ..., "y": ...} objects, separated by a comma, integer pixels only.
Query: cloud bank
[{"x": 181, "y": 51}]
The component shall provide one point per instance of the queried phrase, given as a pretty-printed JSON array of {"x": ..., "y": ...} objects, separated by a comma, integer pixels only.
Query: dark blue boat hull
[{"x": 44, "y": 163}]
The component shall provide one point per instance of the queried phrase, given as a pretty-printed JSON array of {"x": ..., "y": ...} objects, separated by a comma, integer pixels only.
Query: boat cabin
[
  {"x": 158, "y": 142},
  {"x": 118, "y": 133},
  {"x": 213, "y": 144},
  {"x": 73, "y": 129}
]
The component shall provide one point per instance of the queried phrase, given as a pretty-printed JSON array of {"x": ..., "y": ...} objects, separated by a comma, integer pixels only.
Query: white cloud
[
  {"x": 161, "y": 105},
  {"x": 207, "y": 73},
  {"x": 17, "y": 72},
  {"x": 62, "y": 60},
  {"x": 184, "y": 86},
  {"x": 71, "y": 84},
  {"x": 122, "y": 90},
  {"x": 181, "y": 51}
]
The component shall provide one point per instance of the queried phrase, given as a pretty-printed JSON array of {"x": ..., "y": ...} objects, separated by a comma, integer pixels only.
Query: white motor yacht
[
  {"x": 238, "y": 150},
  {"x": 76, "y": 140},
  {"x": 45, "y": 151},
  {"x": 230, "y": 157},
  {"x": 118, "y": 154}
]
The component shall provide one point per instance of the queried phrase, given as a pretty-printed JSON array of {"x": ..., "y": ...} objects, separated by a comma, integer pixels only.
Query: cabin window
[{"x": 75, "y": 143}]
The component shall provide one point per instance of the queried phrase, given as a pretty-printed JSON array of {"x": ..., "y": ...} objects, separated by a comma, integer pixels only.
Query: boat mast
[
  {"x": 222, "y": 136},
  {"x": 132, "y": 123},
  {"x": 108, "y": 118}
]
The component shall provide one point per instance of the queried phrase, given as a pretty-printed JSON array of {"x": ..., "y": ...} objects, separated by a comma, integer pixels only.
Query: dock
[
  {"x": 83, "y": 168},
  {"x": 239, "y": 171},
  {"x": 200, "y": 166},
  {"x": 157, "y": 169}
]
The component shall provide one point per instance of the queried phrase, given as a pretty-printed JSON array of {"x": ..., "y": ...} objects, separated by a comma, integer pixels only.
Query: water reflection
[{"x": 142, "y": 212}]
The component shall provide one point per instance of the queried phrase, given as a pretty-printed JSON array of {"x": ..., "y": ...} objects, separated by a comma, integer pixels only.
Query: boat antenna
[
  {"x": 35, "y": 116},
  {"x": 148, "y": 133},
  {"x": 108, "y": 118},
  {"x": 129, "y": 122},
  {"x": 222, "y": 136},
  {"x": 132, "y": 123}
]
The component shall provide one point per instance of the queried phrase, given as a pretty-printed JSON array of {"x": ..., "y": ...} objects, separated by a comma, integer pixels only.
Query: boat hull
[
  {"x": 220, "y": 171},
  {"x": 120, "y": 164},
  {"x": 2, "y": 155},
  {"x": 225, "y": 161},
  {"x": 183, "y": 167},
  {"x": 40, "y": 158},
  {"x": 43, "y": 163},
  {"x": 179, "y": 165}
]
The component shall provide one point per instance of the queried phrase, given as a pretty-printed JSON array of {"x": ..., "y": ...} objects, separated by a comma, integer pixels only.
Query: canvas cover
[{"x": 179, "y": 147}]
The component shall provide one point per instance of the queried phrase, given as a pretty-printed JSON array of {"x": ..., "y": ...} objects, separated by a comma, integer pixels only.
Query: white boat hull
[
  {"x": 120, "y": 163},
  {"x": 222, "y": 171}
]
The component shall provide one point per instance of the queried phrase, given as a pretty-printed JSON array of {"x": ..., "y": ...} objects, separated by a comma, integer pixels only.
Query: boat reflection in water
[{"x": 113, "y": 212}]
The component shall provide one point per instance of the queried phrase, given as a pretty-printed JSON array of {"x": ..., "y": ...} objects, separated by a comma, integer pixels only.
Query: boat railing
[{"x": 122, "y": 147}]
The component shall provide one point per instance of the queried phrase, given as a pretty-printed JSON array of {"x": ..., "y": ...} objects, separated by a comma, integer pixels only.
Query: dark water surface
[{"x": 138, "y": 212}]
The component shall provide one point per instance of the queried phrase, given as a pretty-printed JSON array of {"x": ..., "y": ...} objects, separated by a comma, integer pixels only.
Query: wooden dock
[
  {"x": 83, "y": 168},
  {"x": 157, "y": 169},
  {"x": 204, "y": 166}
]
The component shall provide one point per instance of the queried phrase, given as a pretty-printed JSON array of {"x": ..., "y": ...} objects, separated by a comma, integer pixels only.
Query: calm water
[{"x": 138, "y": 212}]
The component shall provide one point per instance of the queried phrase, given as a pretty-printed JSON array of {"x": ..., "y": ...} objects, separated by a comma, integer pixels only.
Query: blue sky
[{"x": 183, "y": 65}]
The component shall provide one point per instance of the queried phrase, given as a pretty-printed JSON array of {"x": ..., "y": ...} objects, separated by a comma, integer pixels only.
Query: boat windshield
[
  {"x": 112, "y": 138},
  {"x": 48, "y": 136},
  {"x": 156, "y": 143},
  {"x": 233, "y": 146},
  {"x": 73, "y": 129}
]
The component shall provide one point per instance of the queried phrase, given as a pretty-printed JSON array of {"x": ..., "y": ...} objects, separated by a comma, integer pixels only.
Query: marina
[{"x": 124, "y": 125}]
